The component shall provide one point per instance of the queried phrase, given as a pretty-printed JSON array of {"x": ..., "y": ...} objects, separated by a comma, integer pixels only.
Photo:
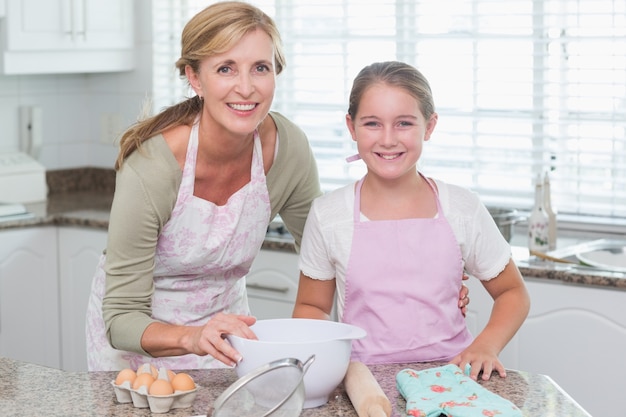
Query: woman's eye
[
  {"x": 223, "y": 70},
  {"x": 262, "y": 68}
]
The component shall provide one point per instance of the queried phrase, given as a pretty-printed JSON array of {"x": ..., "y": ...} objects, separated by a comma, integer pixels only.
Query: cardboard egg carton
[
  {"x": 157, "y": 403},
  {"x": 124, "y": 393}
]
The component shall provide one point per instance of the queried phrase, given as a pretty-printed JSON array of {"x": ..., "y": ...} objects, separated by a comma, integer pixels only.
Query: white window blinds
[{"x": 521, "y": 87}]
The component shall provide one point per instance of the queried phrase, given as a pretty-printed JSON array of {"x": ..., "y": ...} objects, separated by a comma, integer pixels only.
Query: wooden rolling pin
[{"x": 366, "y": 395}]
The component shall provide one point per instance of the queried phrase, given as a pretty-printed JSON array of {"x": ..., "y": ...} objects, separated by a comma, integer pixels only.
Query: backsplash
[{"x": 101, "y": 180}]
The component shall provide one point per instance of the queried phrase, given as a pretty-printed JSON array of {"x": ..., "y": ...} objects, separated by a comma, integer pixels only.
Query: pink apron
[
  {"x": 203, "y": 254},
  {"x": 402, "y": 286}
]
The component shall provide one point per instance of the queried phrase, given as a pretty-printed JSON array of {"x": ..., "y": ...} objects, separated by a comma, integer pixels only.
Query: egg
[
  {"x": 148, "y": 368},
  {"x": 125, "y": 375},
  {"x": 183, "y": 382},
  {"x": 161, "y": 387},
  {"x": 143, "y": 380}
]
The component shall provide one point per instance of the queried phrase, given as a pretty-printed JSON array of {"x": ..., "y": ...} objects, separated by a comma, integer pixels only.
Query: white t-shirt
[{"x": 327, "y": 239}]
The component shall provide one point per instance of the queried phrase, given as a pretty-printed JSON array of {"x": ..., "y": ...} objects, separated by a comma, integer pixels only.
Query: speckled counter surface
[{"x": 32, "y": 390}]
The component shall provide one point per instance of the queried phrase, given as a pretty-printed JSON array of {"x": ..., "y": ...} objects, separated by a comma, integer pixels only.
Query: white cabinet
[
  {"x": 45, "y": 281},
  {"x": 272, "y": 284},
  {"x": 67, "y": 36},
  {"x": 29, "y": 310},
  {"x": 574, "y": 334},
  {"x": 79, "y": 252}
]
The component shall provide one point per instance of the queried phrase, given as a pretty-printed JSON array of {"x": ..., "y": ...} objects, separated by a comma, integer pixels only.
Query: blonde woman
[{"x": 196, "y": 188}]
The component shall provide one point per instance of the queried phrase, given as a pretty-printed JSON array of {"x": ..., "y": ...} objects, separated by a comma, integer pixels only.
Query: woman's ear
[
  {"x": 350, "y": 124},
  {"x": 193, "y": 79},
  {"x": 430, "y": 126}
]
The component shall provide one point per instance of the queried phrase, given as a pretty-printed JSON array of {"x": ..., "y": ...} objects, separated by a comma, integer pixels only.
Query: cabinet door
[
  {"x": 29, "y": 311},
  {"x": 577, "y": 336},
  {"x": 79, "y": 253},
  {"x": 574, "y": 334},
  {"x": 272, "y": 284},
  {"x": 67, "y": 36},
  {"x": 69, "y": 24}
]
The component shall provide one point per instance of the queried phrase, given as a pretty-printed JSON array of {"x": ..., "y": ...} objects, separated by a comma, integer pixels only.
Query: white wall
[{"x": 72, "y": 105}]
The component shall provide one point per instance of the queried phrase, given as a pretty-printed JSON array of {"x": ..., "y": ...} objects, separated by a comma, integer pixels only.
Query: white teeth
[
  {"x": 242, "y": 107},
  {"x": 389, "y": 157}
]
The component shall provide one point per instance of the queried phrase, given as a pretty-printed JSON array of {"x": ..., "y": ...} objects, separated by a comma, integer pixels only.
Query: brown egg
[
  {"x": 143, "y": 380},
  {"x": 183, "y": 382},
  {"x": 161, "y": 387},
  {"x": 125, "y": 375}
]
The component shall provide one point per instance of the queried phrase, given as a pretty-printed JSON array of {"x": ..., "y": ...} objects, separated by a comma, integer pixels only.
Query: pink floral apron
[
  {"x": 203, "y": 254},
  {"x": 402, "y": 286}
]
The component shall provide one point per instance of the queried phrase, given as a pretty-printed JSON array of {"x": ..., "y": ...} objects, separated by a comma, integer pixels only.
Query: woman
[
  {"x": 196, "y": 188},
  {"x": 393, "y": 246}
]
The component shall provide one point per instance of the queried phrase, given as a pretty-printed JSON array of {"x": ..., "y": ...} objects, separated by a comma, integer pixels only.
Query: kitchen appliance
[
  {"x": 22, "y": 179},
  {"x": 505, "y": 220}
]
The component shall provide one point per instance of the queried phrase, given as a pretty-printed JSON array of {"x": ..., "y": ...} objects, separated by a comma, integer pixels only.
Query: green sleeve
[{"x": 145, "y": 194}]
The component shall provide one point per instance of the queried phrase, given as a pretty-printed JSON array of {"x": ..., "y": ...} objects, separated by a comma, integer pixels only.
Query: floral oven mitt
[{"x": 447, "y": 391}]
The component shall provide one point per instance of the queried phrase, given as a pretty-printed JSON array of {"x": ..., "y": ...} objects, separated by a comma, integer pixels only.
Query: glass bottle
[
  {"x": 538, "y": 221},
  {"x": 547, "y": 204}
]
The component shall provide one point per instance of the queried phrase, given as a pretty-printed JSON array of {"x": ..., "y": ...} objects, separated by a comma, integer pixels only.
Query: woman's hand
[
  {"x": 211, "y": 338},
  {"x": 464, "y": 296}
]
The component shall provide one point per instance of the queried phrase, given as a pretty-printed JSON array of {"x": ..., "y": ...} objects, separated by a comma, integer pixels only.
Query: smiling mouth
[
  {"x": 389, "y": 157},
  {"x": 242, "y": 107}
]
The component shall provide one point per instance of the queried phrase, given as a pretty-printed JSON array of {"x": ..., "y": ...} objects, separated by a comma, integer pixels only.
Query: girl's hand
[
  {"x": 480, "y": 359},
  {"x": 211, "y": 338}
]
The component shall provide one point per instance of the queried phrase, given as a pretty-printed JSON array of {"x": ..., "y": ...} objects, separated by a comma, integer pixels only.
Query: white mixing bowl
[{"x": 329, "y": 341}]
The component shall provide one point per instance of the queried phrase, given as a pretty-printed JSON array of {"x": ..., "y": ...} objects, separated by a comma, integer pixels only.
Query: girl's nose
[{"x": 388, "y": 137}]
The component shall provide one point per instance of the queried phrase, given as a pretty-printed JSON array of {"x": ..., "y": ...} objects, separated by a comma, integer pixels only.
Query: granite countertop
[
  {"x": 28, "y": 389},
  {"x": 83, "y": 197}
]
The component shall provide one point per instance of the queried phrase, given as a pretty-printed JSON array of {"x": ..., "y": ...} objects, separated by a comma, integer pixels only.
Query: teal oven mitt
[{"x": 447, "y": 391}]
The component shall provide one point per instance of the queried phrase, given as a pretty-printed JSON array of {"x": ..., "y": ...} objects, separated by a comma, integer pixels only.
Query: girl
[{"x": 394, "y": 245}]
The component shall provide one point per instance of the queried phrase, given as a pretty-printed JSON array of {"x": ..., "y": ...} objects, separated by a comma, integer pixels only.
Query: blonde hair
[
  {"x": 212, "y": 31},
  {"x": 397, "y": 74}
]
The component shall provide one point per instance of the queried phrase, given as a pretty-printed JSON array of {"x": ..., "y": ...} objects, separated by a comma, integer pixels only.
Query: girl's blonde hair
[
  {"x": 397, "y": 74},
  {"x": 212, "y": 31}
]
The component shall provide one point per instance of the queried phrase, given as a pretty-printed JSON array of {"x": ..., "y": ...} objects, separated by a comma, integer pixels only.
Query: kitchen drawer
[{"x": 272, "y": 284}]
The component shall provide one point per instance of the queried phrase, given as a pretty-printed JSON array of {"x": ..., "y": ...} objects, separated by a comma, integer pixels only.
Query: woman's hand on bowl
[{"x": 211, "y": 338}]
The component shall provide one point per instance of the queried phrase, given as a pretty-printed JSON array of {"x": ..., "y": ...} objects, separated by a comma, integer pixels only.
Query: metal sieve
[{"x": 275, "y": 389}]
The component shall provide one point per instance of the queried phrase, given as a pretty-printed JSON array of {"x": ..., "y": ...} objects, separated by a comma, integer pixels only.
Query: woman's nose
[{"x": 245, "y": 85}]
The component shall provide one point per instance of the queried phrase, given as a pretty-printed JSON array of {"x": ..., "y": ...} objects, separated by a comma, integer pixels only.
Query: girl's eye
[
  {"x": 405, "y": 123},
  {"x": 371, "y": 124}
]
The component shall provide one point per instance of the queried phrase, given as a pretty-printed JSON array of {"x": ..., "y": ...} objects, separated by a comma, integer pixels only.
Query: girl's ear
[
  {"x": 350, "y": 125},
  {"x": 193, "y": 79},
  {"x": 430, "y": 126}
]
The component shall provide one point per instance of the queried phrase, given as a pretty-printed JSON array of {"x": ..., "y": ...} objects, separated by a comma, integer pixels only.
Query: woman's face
[
  {"x": 238, "y": 85},
  {"x": 390, "y": 129}
]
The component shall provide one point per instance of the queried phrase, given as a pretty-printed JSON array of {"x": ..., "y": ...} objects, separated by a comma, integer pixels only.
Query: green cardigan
[{"x": 145, "y": 194}]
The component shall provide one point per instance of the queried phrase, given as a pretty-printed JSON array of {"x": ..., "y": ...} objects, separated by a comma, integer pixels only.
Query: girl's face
[
  {"x": 237, "y": 85},
  {"x": 389, "y": 129}
]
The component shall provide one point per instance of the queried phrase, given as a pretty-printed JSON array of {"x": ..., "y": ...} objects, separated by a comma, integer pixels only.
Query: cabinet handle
[
  {"x": 267, "y": 288},
  {"x": 76, "y": 16}
]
